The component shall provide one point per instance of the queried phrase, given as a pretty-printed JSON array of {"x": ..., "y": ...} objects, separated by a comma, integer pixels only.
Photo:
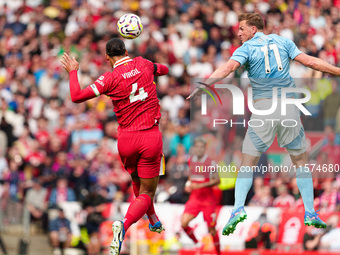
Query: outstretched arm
[
  {"x": 78, "y": 95},
  {"x": 317, "y": 64},
  {"x": 219, "y": 74},
  {"x": 160, "y": 69}
]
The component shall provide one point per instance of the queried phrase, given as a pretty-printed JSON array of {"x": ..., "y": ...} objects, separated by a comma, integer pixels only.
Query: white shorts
[{"x": 262, "y": 130}]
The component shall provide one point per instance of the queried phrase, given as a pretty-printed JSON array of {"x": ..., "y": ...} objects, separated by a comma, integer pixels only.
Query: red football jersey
[
  {"x": 199, "y": 172},
  {"x": 133, "y": 92}
]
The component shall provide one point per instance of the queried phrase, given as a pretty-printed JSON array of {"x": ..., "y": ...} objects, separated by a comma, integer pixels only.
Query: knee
[
  {"x": 149, "y": 193},
  {"x": 184, "y": 225}
]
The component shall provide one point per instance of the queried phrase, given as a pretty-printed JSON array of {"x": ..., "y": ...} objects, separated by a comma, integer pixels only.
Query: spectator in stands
[
  {"x": 262, "y": 197},
  {"x": 332, "y": 150},
  {"x": 261, "y": 232},
  {"x": 61, "y": 167},
  {"x": 331, "y": 105},
  {"x": 311, "y": 239},
  {"x": 60, "y": 232},
  {"x": 3, "y": 166},
  {"x": 61, "y": 193},
  {"x": 330, "y": 240},
  {"x": 178, "y": 171},
  {"x": 80, "y": 179},
  {"x": 172, "y": 103},
  {"x": 94, "y": 204},
  {"x": 36, "y": 203},
  {"x": 181, "y": 138},
  {"x": 328, "y": 199},
  {"x": 284, "y": 199},
  {"x": 313, "y": 106}
]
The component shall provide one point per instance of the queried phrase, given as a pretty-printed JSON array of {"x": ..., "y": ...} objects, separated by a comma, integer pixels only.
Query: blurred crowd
[{"x": 55, "y": 150}]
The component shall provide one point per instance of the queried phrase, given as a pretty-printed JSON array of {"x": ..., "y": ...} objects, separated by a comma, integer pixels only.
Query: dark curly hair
[{"x": 115, "y": 47}]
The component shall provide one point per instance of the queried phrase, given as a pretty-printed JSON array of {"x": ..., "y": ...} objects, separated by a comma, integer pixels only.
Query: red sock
[
  {"x": 151, "y": 211},
  {"x": 216, "y": 240},
  {"x": 136, "y": 210},
  {"x": 190, "y": 233}
]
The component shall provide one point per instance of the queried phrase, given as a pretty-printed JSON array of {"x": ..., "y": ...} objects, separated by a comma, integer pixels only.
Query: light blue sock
[
  {"x": 304, "y": 182},
  {"x": 243, "y": 184}
]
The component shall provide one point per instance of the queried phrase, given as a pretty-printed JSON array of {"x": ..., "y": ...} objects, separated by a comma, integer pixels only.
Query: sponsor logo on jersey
[{"x": 100, "y": 80}]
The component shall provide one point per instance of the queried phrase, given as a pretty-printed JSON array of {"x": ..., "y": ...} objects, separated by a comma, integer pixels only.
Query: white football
[{"x": 129, "y": 26}]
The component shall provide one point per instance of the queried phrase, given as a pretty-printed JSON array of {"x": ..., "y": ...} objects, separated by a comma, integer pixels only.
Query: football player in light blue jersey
[{"x": 266, "y": 59}]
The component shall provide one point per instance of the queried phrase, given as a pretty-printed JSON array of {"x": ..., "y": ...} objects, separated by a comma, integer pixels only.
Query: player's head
[
  {"x": 199, "y": 147},
  {"x": 115, "y": 50},
  {"x": 249, "y": 24}
]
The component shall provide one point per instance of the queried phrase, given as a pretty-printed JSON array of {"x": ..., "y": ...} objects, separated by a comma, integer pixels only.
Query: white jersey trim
[
  {"x": 95, "y": 90},
  {"x": 122, "y": 61}
]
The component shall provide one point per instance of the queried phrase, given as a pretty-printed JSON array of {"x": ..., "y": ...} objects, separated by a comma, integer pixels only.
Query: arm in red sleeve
[
  {"x": 160, "y": 69},
  {"x": 79, "y": 95}
]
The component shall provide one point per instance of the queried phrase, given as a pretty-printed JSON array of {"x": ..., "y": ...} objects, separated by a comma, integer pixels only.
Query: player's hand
[
  {"x": 187, "y": 187},
  {"x": 197, "y": 92},
  {"x": 69, "y": 64},
  {"x": 195, "y": 185}
]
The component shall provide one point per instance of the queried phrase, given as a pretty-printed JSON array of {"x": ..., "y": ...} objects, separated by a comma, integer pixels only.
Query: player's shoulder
[
  {"x": 144, "y": 60},
  {"x": 105, "y": 77},
  {"x": 279, "y": 39},
  {"x": 276, "y": 36}
]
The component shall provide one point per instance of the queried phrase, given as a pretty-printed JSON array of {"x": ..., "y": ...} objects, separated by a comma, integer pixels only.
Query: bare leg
[{"x": 186, "y": 218}]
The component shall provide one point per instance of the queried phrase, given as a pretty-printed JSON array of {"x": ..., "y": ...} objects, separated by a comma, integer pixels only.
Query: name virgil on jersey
[{"x": 131, "y": 73}]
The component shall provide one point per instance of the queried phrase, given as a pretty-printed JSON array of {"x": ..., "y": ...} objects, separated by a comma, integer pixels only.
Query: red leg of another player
[
  {"x": 136, "y": 210},
  {"x": 186, "y": 218},
  {"x": 151, "y": 211},
  {"x": 216, "y": 239},
  {"x": 190, "y": 232}
]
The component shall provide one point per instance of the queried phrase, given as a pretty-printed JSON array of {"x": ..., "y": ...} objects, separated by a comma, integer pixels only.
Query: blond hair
[{"x": 253, "y": 19}]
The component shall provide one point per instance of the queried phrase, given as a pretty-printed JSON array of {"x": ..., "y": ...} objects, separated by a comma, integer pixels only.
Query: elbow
[
  {"x": 75, "y": 100},
  {"x": 166, "y": 70},
  {"x": 163, "y": 70}
]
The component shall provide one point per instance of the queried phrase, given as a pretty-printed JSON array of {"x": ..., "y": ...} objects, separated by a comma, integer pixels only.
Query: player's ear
[
  {"x": 126, "y": 53},
  {"x": 107, "y": 57},
  {"x": 253, "y": 29}
]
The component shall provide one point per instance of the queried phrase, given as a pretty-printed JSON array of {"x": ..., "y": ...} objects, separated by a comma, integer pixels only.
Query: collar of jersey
[
  {"x": 258, "y": 34},
  {"x": 122, "y": 61}
]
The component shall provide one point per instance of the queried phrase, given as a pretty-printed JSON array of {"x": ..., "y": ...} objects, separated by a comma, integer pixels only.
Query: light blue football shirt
[{"x": 266, "y": 59}]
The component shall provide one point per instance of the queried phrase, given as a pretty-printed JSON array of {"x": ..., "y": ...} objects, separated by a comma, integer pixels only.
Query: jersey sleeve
[
  {"x": 103, "y": 84},
  {"x": 160, "y": 69},
  {"x": 241, "y": 54},
  {"x": 293, "y": 51}
]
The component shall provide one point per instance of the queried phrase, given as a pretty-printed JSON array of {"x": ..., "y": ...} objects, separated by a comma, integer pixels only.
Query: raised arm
[
  {"x": 317, "y": 64},
  {"x": 160, "y": 69},
  {"x": 219, "y": 74},
  {"x": 78, "y": 95},
  {"x": 223, "y": 71}
]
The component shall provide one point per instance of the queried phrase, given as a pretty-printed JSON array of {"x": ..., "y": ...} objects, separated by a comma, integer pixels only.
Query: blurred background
[{"x": 61, "y": 180}]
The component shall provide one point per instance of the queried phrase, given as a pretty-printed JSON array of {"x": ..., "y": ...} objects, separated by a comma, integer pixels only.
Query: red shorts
[
  {"x": 141, "y": 151},
  {"x": 208, "y": 210}
]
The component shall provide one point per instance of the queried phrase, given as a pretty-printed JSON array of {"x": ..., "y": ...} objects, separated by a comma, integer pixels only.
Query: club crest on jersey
[{"x": 131, "y": 73}]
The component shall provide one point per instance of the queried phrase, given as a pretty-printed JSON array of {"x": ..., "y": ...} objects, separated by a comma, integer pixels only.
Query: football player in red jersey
[
  {"x": 133, "y": 92},
  {"x": 200, "y": 187}
]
